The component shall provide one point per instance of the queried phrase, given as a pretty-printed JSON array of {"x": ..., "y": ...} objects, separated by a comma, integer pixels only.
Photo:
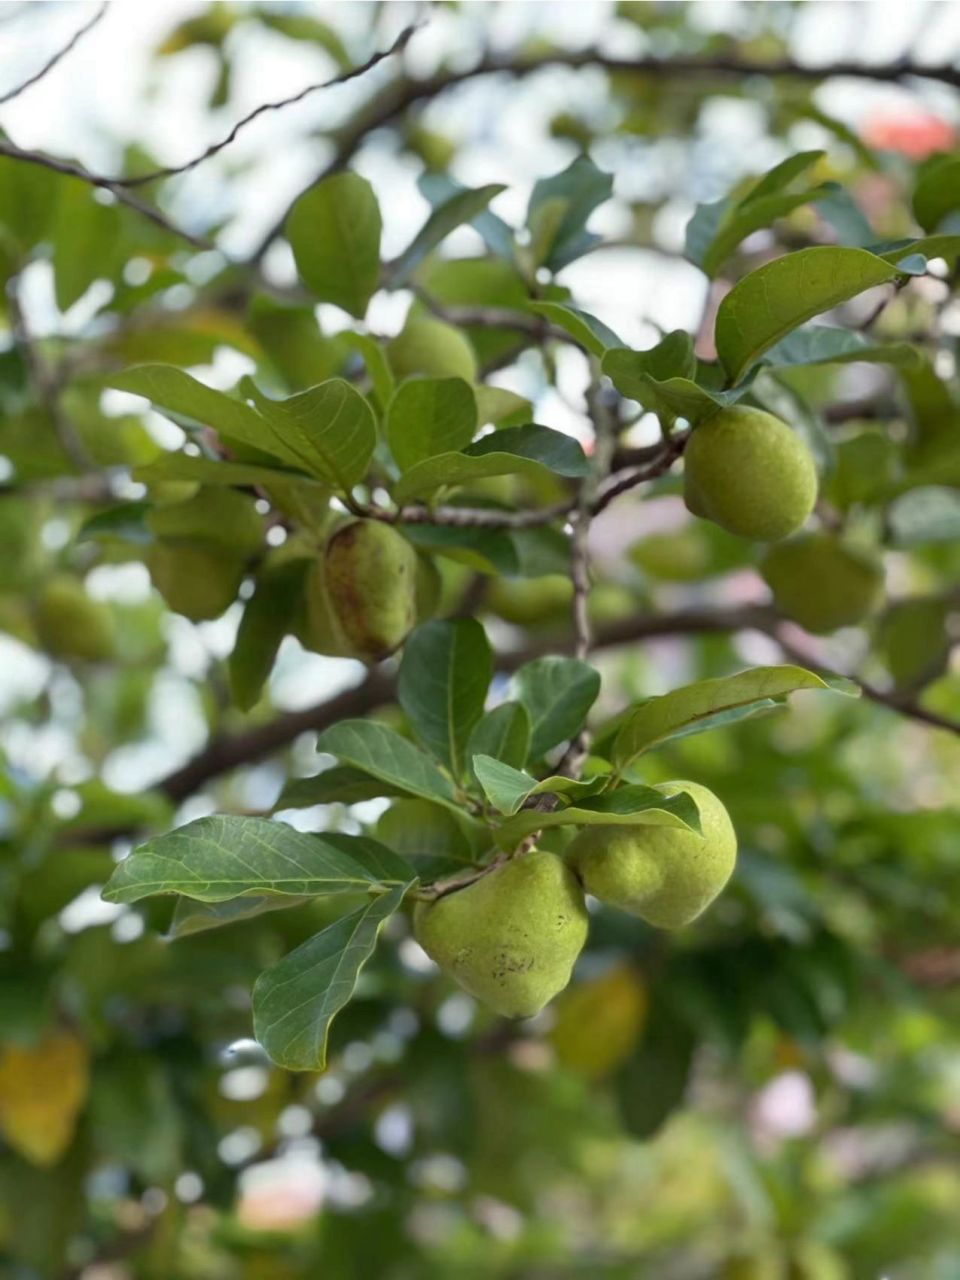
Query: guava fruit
[
  {"x": 822, "y": 584},
  {"x": 748, "y": 472},
  {"x": 510, "y": 938},
  {"x": 69, "y": 624},
  {"x": 665, "y": 875},
  {"x": 432, "y": 348},
  {"x": 196, "y": 580},
  {"x": 370, "y": 575}
]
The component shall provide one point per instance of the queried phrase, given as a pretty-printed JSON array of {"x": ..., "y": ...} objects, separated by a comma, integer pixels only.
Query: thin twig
[
  {"x": 57, "y": 57},
  {"x": 172, "y": 170},
  {"x": 71, "y": 170},
  {"x": 395, "y": 99}
]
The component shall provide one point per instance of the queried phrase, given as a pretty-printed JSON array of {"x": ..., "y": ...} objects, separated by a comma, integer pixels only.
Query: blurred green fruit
[
  {"x": 371, "y": 580},
  {"x": 748, "y": 472},
  {"x": 530, "y": 602},
  {"x": 71, "y": 625},
  {"x": 511, "y": 938},
  {"x": 197, "y": 581},
  {"x": 822, "y": 584},
  {"x": 665, "y": 875},
  {"x": 166, "y": 493},
  {"x": 430, "y": 347},
  {"x": 215, "y": 517},
  {"x": 912, "y": 640}
]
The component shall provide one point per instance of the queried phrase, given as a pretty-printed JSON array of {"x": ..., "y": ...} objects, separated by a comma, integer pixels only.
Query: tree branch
[
  {"x": 71, "y": 170},
  {"x": 404, "y": 93},
  {"x": 169, "y": 172},
  {"x": 228, "y": 751},
  {"x": 57, "y": 57}
]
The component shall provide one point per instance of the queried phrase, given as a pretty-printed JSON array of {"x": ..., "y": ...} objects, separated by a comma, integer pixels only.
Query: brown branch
[
  {"x": 57, "y": 57},
  {"x": 229, "y": 751},
  {"x": 404, "y": 93},
  {"x": 171, "y": 171},
  {"x": 904, "y": 705},
  {"x": 71, "y": 170}
]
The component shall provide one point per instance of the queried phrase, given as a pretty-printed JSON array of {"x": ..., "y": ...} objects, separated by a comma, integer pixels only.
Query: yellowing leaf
[
  {"x": 598, "y": 1022},
  {"x": 42, "y": 1090}
]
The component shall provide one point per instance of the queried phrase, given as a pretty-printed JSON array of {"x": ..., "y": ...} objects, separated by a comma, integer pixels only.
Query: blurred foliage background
[{"x": 772, "y": 1093}]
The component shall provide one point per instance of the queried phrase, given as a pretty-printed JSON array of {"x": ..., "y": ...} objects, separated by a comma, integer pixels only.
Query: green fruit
[
  {"x": 822, "y": 584},
  {"x": 430, "y": 347},
  {"x": 511, "y": 938},
  {"x": 197, "y": 581},
  {"x": 748, "y": 472},
  {"x": 165, "y": 493},
  {"x": 912, "y": 639},
  {"x": 371, "y": 580},
  {"x": 71, "y": 625},
  {"x": 320, "y": 630},
  {"x": 218, "y": 518},
  {"x": 429, "y": 588},
  {"x": 665, "y": 875},
  {"x": 530, "y": 602}
]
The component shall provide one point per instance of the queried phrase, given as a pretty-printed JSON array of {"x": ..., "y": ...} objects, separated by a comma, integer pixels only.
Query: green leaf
[
  {"x": 503, "y": 733},
  {"x": 927, "y": 514},
  {"x": 822, "y": 344},
  {"x": 378, "y": 368},
  {"x": 295, "y": 1001},
  {"x": 557, "y": 693},
  {"x": 127, "y": 521},
  {"x": 626, "y": 806},
  {"x": 662, "y": 717},
  {"x": 573, "y": 194},
  {"x": 340, "y": 785},
  {"x": 505, "y": 787},
  {"x": 377, "y": 750},
  {"x": 485, "y": 550},
  {"x": 334, "y": 231},
  {"x": 670, "y": 399},
  {"x": 527, "y": 450},
  {"x": 442, "y": 685},
  {"x": 430, "y": 416},
  {"x": 221, "y": 857},
  {"x": 497, "y": 235},
  {"x": 173, "y": 390},
  {"x": 211, "y": 471},
  {"x": 839, "y": 210},
  {"x": 267, "y": 616},
  {"x": 85, "y": 238},
  {"x": 452, "y": 213},
  {"x": 432, "y": 839},
  {"x": 329, "y": 429},
  {"x": 191, "y": 917},
  {"x": 765, "y": 305},
  {"x": 937, "y": 192},
  {"x": 945, "y": 246},
  {"x": 592, "y": 334}
]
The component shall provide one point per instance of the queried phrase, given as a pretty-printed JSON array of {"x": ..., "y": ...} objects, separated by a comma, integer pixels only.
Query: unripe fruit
[
  {"x": 71, "y": 625},
  {"x": 748, "y": 472},
  {"x": 511, "y": 938},
  {"x": 530, "y": 602},
  {"x": 219, "y": 518},
  {"x": 822, "y": 584},
  {"x": 430, "y": 347},
  {"x": 198, "y": 581},
  {"x": 370, "y": 572},
  {"x": 665, "y": 875}
]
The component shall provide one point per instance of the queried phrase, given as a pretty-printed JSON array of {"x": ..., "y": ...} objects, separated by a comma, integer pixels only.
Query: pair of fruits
[{"x": 511, "y": 937}]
